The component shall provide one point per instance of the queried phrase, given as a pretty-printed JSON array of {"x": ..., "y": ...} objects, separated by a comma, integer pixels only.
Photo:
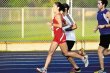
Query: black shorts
[
  {"x": 105, "y": 41},
  {"x": 70, "y": 44}
]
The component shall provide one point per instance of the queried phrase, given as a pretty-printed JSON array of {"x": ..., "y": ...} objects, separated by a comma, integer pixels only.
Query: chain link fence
[{"x": 26, "y": 20}]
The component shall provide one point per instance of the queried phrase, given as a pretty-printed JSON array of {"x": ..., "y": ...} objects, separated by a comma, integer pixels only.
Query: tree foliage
[{"x": 46, "y": 3}]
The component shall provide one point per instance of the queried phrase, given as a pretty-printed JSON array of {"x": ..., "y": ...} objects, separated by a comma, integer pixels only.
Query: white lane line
[
  {"x": 41, "y": 64},
  {"x": 34, "y": 55},
  {"x": 38, "y": 53},
  {"x": 60, "y": 57},
  {"x": 28, "y": 56},
  {"x": 51, "y": 68},
  {"x": 44, "y": 60}
]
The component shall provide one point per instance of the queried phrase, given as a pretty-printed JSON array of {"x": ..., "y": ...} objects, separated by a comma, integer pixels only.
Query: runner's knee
[{"x": 65, "y": 54}]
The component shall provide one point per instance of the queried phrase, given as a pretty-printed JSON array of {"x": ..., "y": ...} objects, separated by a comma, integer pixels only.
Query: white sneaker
[
  {"x": 42, "y": 70},
  {"x": 86, "y": 61}
]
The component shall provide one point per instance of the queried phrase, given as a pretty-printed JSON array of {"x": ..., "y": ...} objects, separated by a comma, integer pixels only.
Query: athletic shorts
[
  {"x": 105, "y": 41},
  {"x": 70, "y": 44},
  {"x": 59, "y": 35}
]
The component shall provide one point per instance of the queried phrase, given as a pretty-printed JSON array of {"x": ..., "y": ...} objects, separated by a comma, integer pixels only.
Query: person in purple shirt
[{"x": 103, "y": 18}]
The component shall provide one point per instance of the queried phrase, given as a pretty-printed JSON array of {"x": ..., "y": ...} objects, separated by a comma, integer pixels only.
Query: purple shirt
[{"x": 103, "y": 20}]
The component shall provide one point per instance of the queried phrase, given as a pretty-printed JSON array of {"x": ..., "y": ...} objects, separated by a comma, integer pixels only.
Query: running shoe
[{"x": 42, "y": 70}]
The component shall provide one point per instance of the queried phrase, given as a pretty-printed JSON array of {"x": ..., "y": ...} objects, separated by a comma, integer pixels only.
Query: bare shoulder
[
  {"x": 58, "y": 16},
  {"x": 108, "y": 14}
]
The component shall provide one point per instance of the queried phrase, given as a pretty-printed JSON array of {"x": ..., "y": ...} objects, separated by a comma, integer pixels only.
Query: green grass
[
  {"x": 32, "y": 32},
  {"x": 89, "y": 35},
  {"x": 40, "y": 32}
]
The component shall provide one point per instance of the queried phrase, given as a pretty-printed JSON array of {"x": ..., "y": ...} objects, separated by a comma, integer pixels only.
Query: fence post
[
  {"x": 83, "y": 22},
  {"x": 70, "y": 3},
  {"x": 22, "y": 25},
  {"x": 6, "y": 45},
  {"x": 83, "y": 28}
]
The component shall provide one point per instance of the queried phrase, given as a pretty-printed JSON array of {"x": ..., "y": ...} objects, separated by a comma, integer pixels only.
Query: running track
[{"x": 26, "y": 62}]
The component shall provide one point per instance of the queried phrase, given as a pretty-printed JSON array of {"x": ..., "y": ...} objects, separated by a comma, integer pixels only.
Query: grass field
[{"x": 40, "y": 32}]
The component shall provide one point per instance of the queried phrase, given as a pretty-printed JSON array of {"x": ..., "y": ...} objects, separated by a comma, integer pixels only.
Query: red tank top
[
  {"x": 62, "y": 19},
  {"x": 59, "y": 35}
]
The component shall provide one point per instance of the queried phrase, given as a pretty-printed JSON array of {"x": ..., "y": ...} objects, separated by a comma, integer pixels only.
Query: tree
[
  {"x": 3, "y": 3},
  {"x": 17, "y": 3},
  {"x": 47, "y": 3}
]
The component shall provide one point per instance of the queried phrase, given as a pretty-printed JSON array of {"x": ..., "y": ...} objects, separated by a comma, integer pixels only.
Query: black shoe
[{"x": 76, "y": 70}]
